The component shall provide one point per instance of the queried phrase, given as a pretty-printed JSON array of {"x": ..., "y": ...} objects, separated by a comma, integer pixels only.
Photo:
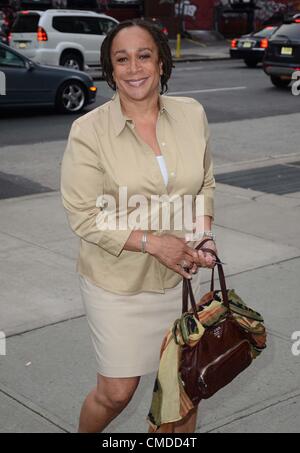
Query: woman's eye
[{"x": 125, "y": 59}]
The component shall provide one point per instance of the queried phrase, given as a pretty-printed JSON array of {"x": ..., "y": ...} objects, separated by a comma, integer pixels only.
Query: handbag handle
[
  {"x": 187, "y": 289},
  {"x": 212, "y": 286}
]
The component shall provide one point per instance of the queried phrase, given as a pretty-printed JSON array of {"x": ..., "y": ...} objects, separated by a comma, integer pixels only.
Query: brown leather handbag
[{"x": 226, "y": 348}]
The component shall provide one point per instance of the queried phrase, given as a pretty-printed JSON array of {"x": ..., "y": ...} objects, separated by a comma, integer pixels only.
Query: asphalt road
[{"x": 228, "y": 90}]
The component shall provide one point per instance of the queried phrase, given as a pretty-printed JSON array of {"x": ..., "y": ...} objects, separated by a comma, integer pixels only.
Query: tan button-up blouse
[{"x": 105, "y": 153}]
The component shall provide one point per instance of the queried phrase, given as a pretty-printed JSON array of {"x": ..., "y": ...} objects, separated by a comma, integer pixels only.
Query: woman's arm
[
  {"x": 170, "y": 251},
  {"x": 82, "y": 181},
  {"x": 207, "y": 191}
]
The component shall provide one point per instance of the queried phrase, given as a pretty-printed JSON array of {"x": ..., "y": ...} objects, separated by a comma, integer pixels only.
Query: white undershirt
[{"x": 163, "y": 168}]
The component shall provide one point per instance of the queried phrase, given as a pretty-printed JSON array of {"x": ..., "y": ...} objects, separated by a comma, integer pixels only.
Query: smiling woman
[
  {"x": 130, "y": 277},
  {"x": 157, "y": 50}
]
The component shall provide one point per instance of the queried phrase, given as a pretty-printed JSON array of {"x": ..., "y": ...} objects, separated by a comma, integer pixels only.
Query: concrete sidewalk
[
  {"x": 49, "y": 364},
  {"x": 195, "y": 50}
]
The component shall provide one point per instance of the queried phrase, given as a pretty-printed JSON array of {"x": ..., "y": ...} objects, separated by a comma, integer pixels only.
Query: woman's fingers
[
  {"x": 199, "y": 258},
  {"x": 210, "y": 259},
  {"x": 194, "y": 269},
  {"x": 191, "y": 253},
  {"x": 182, "y": 272},
  {"x": 206, "y": 259},
  {"x": 184, "y": 260}
]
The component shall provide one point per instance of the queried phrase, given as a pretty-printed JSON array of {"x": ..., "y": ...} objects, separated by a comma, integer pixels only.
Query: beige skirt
[{"x": 127, "y": 330}]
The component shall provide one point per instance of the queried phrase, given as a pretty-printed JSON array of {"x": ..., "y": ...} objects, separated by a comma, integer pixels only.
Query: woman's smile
[{"x": 136, "y": 83}]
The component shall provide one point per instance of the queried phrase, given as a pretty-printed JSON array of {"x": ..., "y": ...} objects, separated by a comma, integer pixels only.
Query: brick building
[
  {"x": 219, "y": 14},
  {"x": 197, "y": 14}
]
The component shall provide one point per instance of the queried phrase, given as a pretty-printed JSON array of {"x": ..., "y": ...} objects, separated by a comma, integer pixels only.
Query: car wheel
[
  {"x": 71, "y": 97},
  {"x": 280, "y": 83},
  {"x": 251, "y": 63},
  {"x": 72, "y": 60}
]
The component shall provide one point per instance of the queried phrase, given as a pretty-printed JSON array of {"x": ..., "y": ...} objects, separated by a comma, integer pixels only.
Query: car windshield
[
  {"x": 26, "y": 23},
  {"x": 265, "y": 32},
  {"x": 290, "y": 31}
]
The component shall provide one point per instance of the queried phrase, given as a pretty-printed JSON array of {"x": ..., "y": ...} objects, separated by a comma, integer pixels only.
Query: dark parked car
[
  {"x": 282, "y": 58},
  {"x": 251, "y": 48},
  {"x": 28, "y": 83}
]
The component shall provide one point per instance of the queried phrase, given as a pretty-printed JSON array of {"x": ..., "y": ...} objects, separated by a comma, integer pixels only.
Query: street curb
[{"x": 187, "y": 59}]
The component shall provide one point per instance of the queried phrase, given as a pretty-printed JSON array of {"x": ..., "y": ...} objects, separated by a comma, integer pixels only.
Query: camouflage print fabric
[{"x": 170, "y": 403}]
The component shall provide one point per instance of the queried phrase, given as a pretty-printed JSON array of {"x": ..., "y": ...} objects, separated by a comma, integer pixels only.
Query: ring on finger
[
  {"x": 194, "y": 269},
  {"x": 184, "y": 264}
]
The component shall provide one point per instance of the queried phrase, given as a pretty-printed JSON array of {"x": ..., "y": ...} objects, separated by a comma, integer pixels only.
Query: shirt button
[
  {"x": 172, "y": 173},
  {"x": 163, "y": 144}
]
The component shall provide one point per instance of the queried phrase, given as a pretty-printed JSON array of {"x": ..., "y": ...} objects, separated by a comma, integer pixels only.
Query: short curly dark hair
[{"x": 164, "y": 52}]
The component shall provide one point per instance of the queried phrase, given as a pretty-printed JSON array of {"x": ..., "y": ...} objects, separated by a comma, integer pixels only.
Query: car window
[
  {"x": 292, "y": 31},
  {"x": 265, "y": 33},
  {"x": 76, "y": 24},
  {"x": 26, "y": 23},
  {"x": 37, "y": 3},
  {"x": 106, "y": 25},
  {"x": 8, "y": 58},
  {"x": 63, "y": 24},
  {"x": 86, "y": 25},
  {"x": 88, "y": 4}
]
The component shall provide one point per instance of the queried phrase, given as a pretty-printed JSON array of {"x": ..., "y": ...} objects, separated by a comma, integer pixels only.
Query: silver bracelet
[
  {"x": 209, "y": 234},
  {"x": 144, "y": 242}
]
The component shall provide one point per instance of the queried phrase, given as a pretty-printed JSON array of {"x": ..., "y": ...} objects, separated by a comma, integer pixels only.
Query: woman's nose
[{"x": 134, "y": 65}]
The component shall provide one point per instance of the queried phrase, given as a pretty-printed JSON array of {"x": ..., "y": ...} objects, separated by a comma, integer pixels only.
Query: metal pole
[
  {"x": 181, "y": 17},
  {"x": 180, "y": 34},
  {"x": 178, "y": 46}
]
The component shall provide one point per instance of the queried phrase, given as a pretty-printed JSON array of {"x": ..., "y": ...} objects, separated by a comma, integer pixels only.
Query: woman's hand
[
  {"x": 205, "y": 259},
  {"x": 174, "y": 253}
]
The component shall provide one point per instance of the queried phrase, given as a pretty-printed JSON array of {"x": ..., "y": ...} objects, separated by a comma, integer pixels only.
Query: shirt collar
[
  {"x": 167, "y": 106},
  {"x": 119, "y": 120}
]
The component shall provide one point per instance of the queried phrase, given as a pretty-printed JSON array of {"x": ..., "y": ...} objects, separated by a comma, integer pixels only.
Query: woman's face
[{"x": 136, "y": 66}]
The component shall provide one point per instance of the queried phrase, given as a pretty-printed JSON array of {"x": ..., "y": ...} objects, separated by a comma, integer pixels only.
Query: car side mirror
[{"x": 29, "y": 65}]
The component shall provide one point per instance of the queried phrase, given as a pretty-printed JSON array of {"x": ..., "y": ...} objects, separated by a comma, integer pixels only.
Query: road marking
[{"x": 173, "y": 93}]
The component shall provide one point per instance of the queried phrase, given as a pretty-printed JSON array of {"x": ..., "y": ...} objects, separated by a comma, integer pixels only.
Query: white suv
[{"x": 61, "y": 37}]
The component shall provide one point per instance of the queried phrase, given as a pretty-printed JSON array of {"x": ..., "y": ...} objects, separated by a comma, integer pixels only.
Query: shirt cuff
[{"x": 114, "y": 241}]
